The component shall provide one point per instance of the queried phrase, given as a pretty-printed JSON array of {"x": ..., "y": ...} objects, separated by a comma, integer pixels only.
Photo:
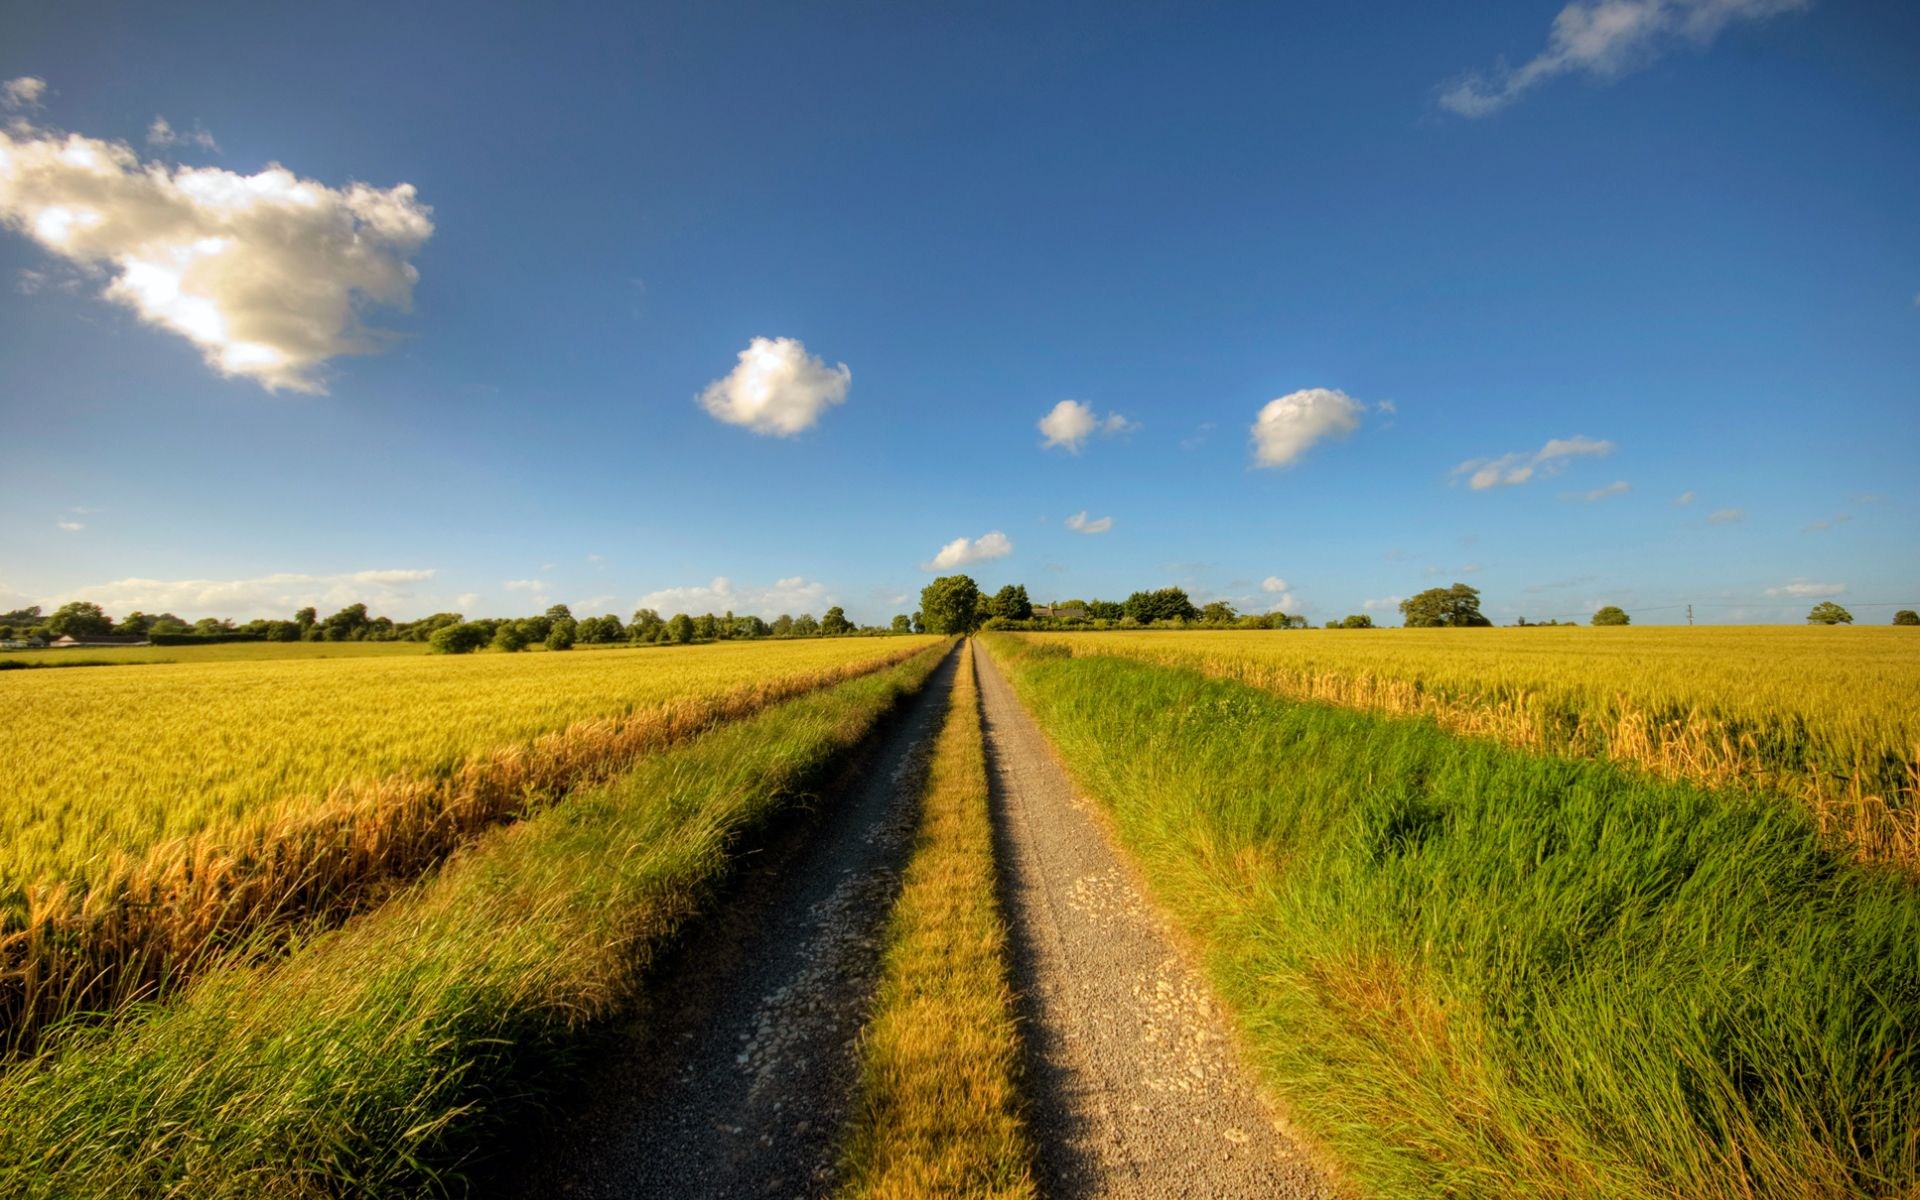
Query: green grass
[
  {"x": 937, "y": 1112},
  {"x": 381, "y": 1058},
  {"x": 1470, "y": 971},
  {"x": 218, "y": 652}
]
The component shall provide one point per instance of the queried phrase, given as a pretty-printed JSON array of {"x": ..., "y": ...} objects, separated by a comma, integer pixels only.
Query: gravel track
[
  {"x": 740, "y": 1084},
  {"x": 1136, "y": 1084}
]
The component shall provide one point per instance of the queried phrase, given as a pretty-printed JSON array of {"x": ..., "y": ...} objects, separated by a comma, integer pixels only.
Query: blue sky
[{"x": 1604, "y": 258}]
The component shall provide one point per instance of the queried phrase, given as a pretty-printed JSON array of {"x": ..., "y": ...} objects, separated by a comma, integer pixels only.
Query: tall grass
[
  {"x": 938, "y": 1108},
  {"x": 381, "y": 1059},
  {"x": 1823, "y": 714},
  {"x": 1475, "y": 971},
  {"x": 141, "y": 924}
]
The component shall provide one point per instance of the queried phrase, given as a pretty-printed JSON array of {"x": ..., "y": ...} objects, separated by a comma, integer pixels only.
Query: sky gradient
[{"x": 772, "y": 308}]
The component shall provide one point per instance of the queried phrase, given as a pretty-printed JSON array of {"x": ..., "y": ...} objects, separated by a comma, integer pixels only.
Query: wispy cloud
[
  {"x": 1726, "y": 516},
  {"x": 268, "y": 274},
  {"x": 1509, "y": 470},
  {"x": 1802, "y": 587},
  {"x": 24, "y": 92},
  {"x": 793, "y": 595},
  {"x": 1071, "y": 423},
  {"x": 1198, "y": 437},
  {"x": 1287, "y": 427},
  {"x": 71, "y": 526},
  {"x": 778, "y": 389},
  {"x": 162, "y": 133},
  {"x": 961, "y": 551},
  {"x": 1615, "y": 488},
  {"x": 1382, "y": 603},
  {"x": 1079, "y": 523},
  {"x": 1683, "y": 499},
  {"x": 262, "y": 596},
  {"x": 1603, "y": 40}
]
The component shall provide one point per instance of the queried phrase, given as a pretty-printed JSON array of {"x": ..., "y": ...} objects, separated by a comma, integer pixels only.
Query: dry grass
[
  {"x": 938, "y": 1110},
  {"x": 1826, "y": 715},
  {"x": 139, "y": 924}
]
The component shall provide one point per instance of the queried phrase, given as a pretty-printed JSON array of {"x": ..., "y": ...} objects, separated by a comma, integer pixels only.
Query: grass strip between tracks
[
  {"x": 1473, "y": 971},
  {"x": 379, "y": 1059},
  {"x": 938, "y": 1111}
]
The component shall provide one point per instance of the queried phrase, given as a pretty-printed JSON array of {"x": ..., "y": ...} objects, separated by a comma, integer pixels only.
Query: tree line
[{"x": 446, "y": 632}]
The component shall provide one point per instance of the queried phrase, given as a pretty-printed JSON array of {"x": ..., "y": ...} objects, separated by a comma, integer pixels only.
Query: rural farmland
[{"x": 960, "y": 602}]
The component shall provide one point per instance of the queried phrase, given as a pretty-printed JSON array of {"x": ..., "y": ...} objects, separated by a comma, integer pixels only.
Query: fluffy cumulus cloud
[
  {"x": 268, "y": 274},
  {"x": 1603, "y": 40},
  {"x": 778, "y": 389},
  {"x": 1289, "y": 426},
  {"x": 793, "y": 596},
  {"x": 1279, "y": 594},
  {"x": 24, "y": 92},
  {"x": 1516, "y": 468},
  {"x": 1079, "y": 523},
  {"x": 1804, "y": 588},
  {"x": 961, "y": 551},
  {"x": 265, "y": 596},
  {"x": 1070, "y": 424}
]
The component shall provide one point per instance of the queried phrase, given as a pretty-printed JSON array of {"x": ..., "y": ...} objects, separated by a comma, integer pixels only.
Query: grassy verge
[
  {"x": 938, "y": 1110},
  {"x": 1479, "y": 972},
  {"x": 144, "y": 925},
  {"x": 379, "y": 1059}
]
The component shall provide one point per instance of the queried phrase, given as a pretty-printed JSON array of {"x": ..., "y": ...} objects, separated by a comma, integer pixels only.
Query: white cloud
[
  {"x": 1726, "y": 516},
  {"x": 1520, "y": 466},
  {"x": 1280, "y": 597},
  {"x": 961, "y": 551},
  {"x": 1288, "y": 426},
  {"x": 1822, "y": 526},
  {"x": 1612, "y": 489},
  {"x": 71, "y": 526},
  {"x": 778, "y": 389},
  {"x": 24, "y": 92},
  {"x": 268, "y": 274},
  {"x": 1605, "y": 39},
  {"x": 1198, "y": 437},
  {"x": 1806, "y": 587},
  {"x": 1683, "y": 499},
  {"x": 525, "y": 585},
  {"x": 1383, "y": 603},
  {"x": 1071, "y": 423},
  {"x": 266, "y": 596},
  {"x": 793, "y": 595},
  {"x": 162, "y": 133},
  {"x": 1079, "y": 523},
  {"x": 466, "y": 601}
]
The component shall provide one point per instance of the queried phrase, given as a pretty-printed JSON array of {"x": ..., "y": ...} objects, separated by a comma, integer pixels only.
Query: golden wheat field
[
  {"x": 136, "y": 755},
  {"x": 1831, "y": 714}
]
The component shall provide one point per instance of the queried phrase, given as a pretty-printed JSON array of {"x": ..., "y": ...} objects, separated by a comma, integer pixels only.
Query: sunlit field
[{"x": 1828, "y": 714}]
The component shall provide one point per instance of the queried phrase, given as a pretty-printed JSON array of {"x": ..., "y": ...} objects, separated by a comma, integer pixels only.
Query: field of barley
[
  {"x": 188, "y": 807},
  {"x": 1826, "y": 714}
]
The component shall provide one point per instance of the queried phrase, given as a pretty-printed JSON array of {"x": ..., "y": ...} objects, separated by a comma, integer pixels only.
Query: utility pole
[{"x": 1689, "y": 614}]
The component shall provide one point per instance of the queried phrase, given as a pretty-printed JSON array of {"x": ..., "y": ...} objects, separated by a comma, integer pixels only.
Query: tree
[
  {"x": 1906, "y": 616},
  {"x": 305, "y": 619},
  {"x": 1011, "y": 602},
  {"x": 1106, "y": 610},
  {"x": 1611, "y": 614},
  {"x": 902, "y": 623},
  {"x": 1357, "y": 621},
  {"x": 1457, "y": 606},
  {"x": 805, "y": 625},
  {"x": 1828, "y": 613},
  {"x": 835, "y": 622},
  {"x": 951, "y": 604},
  {"x": 80, "y": 619},
  {"x": 783, "y": 625},
  {"x": 347, "y": 625},
  {"x": 559, "y": 612},
  {"x": 1218, "y": 612},
  {"x": 1167, "y": 604},
  {"x": 510, "y": 637},
  {"x": 462, "y": 638},
  {"x": 560, "y": 636},
  {"x": 919, "y": 621},
  {"x": 680, "y": 628}
]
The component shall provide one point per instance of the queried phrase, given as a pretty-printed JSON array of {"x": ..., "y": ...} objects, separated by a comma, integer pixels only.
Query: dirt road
[
  {"x": 741, "y": 1088},
  {"x": 1136, "y": 1087}
]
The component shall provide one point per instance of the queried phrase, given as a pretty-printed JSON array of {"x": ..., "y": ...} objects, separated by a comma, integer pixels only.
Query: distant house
[{"x": 98, "y": 639}]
